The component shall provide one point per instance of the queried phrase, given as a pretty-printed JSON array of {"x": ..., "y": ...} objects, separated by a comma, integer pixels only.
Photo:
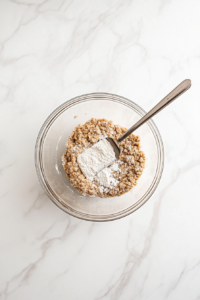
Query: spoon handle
[{"x": 180, "y": 89}]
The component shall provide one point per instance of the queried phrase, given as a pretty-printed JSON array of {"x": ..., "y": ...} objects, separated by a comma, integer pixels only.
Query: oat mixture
[{"x": 129, "y": 165}]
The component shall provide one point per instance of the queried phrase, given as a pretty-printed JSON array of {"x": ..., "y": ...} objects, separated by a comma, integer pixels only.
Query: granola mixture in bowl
[{"x": 127, "y": 169}]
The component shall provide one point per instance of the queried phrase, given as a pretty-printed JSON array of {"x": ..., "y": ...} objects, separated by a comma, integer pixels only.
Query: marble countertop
[{"x": 51, "y": 51}]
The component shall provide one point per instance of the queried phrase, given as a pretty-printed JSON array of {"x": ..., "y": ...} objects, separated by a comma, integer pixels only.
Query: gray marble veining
[{"x": 51, "y": 51}]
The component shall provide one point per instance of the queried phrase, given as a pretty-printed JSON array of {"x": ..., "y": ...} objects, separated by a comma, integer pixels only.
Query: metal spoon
[{"x": 179, "y": 90}]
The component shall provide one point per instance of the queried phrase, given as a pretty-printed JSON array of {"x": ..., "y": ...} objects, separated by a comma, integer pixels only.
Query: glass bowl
[{"x": 50, "y": 146}]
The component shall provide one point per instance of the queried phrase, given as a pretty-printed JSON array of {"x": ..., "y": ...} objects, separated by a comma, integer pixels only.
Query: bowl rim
[{"x": 39, "y": 165}]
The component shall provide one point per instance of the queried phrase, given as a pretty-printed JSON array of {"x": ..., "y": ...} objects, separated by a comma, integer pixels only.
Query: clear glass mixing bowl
[{"x": 50, "y": 146}]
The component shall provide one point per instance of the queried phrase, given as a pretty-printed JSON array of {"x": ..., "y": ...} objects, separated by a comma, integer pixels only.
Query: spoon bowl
[{"x": 115, "y": 145}]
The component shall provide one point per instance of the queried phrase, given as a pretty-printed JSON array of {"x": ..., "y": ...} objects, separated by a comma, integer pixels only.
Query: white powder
[
  {"x": 105, "y": 177},
  {"x": 96, "y": 158}
]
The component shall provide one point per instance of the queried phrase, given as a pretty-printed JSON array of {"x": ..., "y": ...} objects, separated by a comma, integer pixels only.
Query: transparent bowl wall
[{"x": 50, "y": 146}]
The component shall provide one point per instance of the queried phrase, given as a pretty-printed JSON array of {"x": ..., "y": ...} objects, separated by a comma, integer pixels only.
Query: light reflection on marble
[{"x": 51, "y": 51}]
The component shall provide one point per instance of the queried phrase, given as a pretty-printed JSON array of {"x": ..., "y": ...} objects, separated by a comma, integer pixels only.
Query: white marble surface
[{"x": 51, "y": 51}]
